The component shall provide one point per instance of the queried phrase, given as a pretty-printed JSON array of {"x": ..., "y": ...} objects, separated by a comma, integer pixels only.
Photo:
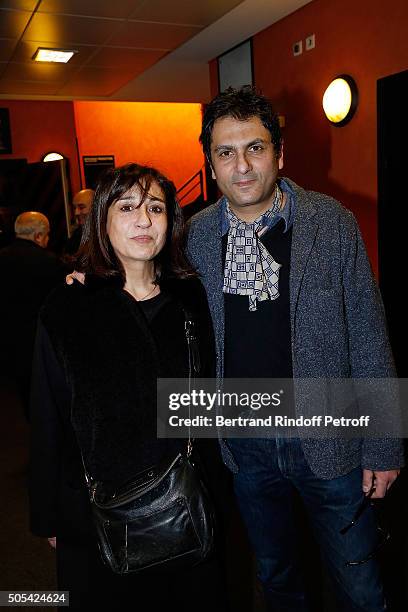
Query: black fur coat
[{"x": 96, "y": 365}]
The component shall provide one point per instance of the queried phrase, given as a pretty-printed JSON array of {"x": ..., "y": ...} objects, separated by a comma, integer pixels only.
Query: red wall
[
  {"x": 163, "y": 135},
  {"x": 39, "y": 127},
  {"x": 366, "y": 39},
  {"x": 158, "y": 134}
]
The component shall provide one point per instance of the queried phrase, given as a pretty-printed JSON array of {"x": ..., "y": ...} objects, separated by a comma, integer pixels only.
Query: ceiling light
[
  {"x": 61, "y": 56},
  {"x": 340, "y": 100}
]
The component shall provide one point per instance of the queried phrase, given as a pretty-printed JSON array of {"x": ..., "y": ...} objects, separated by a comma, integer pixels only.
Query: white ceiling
[{"x": 150, "y": 50}]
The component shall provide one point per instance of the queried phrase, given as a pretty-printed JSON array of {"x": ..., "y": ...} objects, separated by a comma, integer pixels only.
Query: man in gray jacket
[{"x": 292, "y": 295}]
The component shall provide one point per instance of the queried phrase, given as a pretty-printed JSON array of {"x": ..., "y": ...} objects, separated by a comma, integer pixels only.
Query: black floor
[{"x": 27, "y": 562}]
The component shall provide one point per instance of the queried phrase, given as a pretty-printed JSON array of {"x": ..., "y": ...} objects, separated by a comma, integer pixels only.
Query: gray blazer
[{"x": 337, "y": 318}]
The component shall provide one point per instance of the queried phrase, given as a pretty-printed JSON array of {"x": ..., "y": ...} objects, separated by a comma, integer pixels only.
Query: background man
[
  {"x": 28, "y": 272},
  {"x": 292, "y": 295},
  {"x": 81, "y": 204}
]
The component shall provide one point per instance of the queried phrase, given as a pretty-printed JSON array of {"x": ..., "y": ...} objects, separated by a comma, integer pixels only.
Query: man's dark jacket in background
[{"x": 28, "y": 273}]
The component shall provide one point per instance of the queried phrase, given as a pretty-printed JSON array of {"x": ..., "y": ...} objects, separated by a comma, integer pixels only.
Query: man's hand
[
  {"x": 79, "y": 276},
  {"x": 52, "y": 542},
  {"x": 380, "y": 480}
]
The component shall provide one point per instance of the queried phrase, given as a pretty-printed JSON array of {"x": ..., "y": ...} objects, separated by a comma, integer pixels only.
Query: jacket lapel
[
  {"x": 304, "y": 234},
  {"x": 211, "y": 271}
]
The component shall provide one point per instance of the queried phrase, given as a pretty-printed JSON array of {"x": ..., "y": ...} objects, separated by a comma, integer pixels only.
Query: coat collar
[{"x": 304, "y": 234}]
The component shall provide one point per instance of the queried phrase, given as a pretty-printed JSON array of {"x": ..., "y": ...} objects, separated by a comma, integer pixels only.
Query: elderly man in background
[
  {"x": 28, "y": 273},
  {"x": 81, "y": 204}
]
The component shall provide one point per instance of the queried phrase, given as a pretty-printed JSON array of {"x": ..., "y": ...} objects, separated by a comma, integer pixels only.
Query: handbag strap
[{"x": 193, "y": 362}]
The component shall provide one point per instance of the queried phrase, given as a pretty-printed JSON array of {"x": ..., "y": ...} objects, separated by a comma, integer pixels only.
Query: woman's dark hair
[
  {"x": 96, "y": 255},
  {"x": 241, "y": 104}
]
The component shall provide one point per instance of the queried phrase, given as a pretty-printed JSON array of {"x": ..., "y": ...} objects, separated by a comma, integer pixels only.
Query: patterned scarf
[{"x": 249, "y": 268}]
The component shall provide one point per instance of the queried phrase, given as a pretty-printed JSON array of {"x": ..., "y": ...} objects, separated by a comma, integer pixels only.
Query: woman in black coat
[{"x": 100, "y": 349}]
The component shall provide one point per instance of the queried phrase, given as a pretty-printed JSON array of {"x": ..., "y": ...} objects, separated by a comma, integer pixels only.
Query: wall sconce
[
  {"x": 340, "y": 100},
  {"x": 53, "y": 156}
]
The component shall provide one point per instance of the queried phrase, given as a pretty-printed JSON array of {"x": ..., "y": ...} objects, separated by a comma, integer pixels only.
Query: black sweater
[{"x": 258, "y": 343}]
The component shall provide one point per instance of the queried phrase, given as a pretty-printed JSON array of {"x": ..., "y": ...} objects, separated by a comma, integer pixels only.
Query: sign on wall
[{"x": 94, "y": 166}]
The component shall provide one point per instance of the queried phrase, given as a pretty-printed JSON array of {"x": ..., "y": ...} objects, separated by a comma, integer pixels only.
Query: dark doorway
[
  {"x": 392, "y": 100},
  {"x": 45, "y": 188},
  {"x": 38, "y": 186}
]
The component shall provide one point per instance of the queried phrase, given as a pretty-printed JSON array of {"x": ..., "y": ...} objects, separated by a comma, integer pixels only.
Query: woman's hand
[
  {"x": 79, "y": 276},
  {"x": 52, "y": 542}
]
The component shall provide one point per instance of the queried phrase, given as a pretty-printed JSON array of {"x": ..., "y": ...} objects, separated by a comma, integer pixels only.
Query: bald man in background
[
  {"x": 81, "y": 204},
  {"x": 28, "y": 272}
]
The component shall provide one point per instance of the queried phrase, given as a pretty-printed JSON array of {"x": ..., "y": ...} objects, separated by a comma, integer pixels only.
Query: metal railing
[{"x": 197, "y": 180}]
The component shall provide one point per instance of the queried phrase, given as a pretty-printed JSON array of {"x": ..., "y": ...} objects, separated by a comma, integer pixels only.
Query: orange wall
[
  {"x": 38, "y": 127},
  {"x": 157, "y": 134},
  {"x": 366, "y": 39}
]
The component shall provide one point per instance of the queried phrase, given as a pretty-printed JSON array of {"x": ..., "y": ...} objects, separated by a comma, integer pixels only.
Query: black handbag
[{"x": 163, "y": 517}]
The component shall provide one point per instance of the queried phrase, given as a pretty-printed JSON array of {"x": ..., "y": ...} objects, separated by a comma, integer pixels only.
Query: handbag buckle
[{"x": 93, "y": 491}]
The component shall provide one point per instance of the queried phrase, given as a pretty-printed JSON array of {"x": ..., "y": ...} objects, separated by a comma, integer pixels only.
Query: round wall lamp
[
  {"x": 340, "y": 100},
  {"x": 52, "y": 156}
]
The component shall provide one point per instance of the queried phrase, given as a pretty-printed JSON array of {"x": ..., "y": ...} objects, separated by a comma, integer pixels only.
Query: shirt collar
[{"x": 287, "y": 214}]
